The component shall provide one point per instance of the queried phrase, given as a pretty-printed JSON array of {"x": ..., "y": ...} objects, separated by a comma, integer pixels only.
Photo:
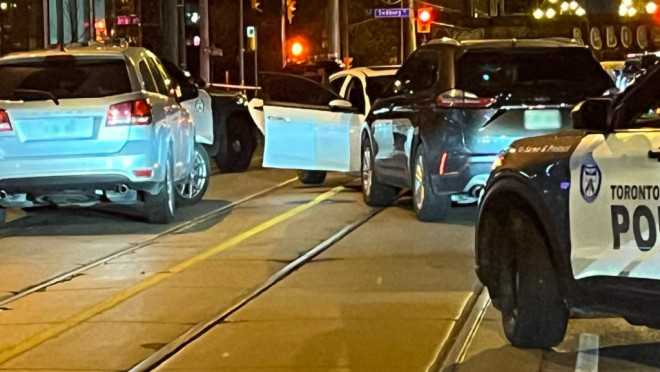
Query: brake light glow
[
  {"x": 443, "y": 163},
  {"x": 143, "y": 173},
  {"x": 129, "y": 113},
  {"x": 5, "y": 125},
  {"x": 457, "y": 98}
]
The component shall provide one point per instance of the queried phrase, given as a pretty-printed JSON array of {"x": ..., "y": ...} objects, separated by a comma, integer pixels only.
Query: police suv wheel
[
  {"x": 160, "y": 207},
  {"x": 193, "y": 189},
  {"x": 375, "y": 194},
  {"x": 308, "y": 177},
  {"x": 428, "y": 206},
  {"x": 534, "y": 314},
  {"x": 239, "y": 147}
]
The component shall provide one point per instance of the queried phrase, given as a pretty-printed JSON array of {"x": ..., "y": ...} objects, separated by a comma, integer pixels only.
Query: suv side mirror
[
  {"x": 593, "y": 115},
  {"x": 342, "y": 106},
  {"x": 200, "y": 82}
]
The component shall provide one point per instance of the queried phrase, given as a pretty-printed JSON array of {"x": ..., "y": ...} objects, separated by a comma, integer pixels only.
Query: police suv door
[
  {"x": 615, "y": 191},
  {"x": 307, "y": 126}
]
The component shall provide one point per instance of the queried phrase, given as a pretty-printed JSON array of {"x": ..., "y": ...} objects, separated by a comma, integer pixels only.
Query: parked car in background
[
  {"x": 92, "y": 125},
  {"x": 454, "y": 106},
  {"x": 313, "y": 128},
  {"x": 198, "y": 103},
  {"x": 236, "y": 136}
]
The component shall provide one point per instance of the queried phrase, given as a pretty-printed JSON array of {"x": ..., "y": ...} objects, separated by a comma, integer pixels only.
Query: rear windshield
[
  {"x": 557, "y": 75},
  {"x": 64, "y": 78}
]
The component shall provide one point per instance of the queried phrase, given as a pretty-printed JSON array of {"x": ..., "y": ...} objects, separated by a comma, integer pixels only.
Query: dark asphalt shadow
[
  {"x": 109, "y": 219},
  {"x": 459, "y": 214}
]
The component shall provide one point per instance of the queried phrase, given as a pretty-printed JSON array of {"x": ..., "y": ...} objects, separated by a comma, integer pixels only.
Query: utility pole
[
  {"x": 170, "y": 46},
  {"x": 182, "y": 34},
  {"x": 59, "y": 8},
  {"x": 241, "y": 47},
  {"x": 283, "y": 33},
  {"x": 335, "y": 48},
  {"x": 345, "y": 49},
  {"x": 411, "y": 37},
  {"x": 205, "y": 44}
]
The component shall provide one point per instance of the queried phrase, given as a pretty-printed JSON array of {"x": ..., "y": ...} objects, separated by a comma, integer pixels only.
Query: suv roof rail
[
  {"x": 445, "y": 41},
  {"x": 566, "y": 40}
]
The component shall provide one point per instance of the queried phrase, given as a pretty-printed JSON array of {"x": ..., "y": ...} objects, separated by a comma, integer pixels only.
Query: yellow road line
[{"x": 31, "y": 342}]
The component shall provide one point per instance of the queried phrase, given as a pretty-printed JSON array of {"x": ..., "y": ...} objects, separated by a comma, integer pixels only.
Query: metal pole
[
  {"x": 46, "y": 26},
  {"x": 411, "y": 38},
  {"x": 256, "y": 63},
  {"x": 182, "y": 34},
  {"x": 345, "y": 48},
  {"x": 283, "y": 33},
  {"x": 204, "y": 58},
  {"x": 402, "y": 44},
  {"x": 92, "y": 21},
  {"x": 335, "y": 48},
  {"x": 240, "y": 44},
  {"x": 60, "y": 23}
]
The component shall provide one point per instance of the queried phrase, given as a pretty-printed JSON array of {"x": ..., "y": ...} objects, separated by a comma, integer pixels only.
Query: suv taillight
[
  {"x": 5, "y": 125},
  {"x": 461, "y": 99},
  {"x": 129, "y": 113}
]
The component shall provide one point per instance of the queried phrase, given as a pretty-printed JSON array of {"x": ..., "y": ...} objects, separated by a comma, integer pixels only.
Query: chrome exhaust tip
[{"x": 123, "y": 189}]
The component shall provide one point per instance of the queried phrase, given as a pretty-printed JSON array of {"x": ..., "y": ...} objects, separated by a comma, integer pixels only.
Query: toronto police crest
[
  {"x": 590, "y": 179},
  {"x": 199, "y": 105}
]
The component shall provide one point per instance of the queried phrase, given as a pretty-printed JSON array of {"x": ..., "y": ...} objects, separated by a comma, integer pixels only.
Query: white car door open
[
  {"x": 308, "y": 138},
  {"x": 302, "y": 129}
]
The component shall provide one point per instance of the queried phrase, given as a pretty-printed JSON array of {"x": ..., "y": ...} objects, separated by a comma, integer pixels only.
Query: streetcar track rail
[
  {"x": 201, "y": 328},
  {"x": 66, "y": 276},
  {"x": 460, "y": 338}
]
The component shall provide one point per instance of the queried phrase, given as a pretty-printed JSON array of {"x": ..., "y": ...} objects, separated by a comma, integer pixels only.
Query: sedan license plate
[{"x": 542, "y": 119}]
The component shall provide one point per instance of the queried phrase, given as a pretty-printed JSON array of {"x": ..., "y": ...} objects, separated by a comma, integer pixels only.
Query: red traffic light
[
  {"x": 425, "y": 15},
  {"x": 297, "y": 49},
  {"x": 424, "y": 20}
]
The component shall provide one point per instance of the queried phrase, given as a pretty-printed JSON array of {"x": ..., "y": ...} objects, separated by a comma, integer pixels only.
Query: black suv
[{"x": 453, "y": 106}]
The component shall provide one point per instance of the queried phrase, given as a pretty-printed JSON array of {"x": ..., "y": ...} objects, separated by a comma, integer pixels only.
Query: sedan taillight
[
  {"x": 5, "y": 124},
  {"x": 129, "y": 113},
  {"x": 457, "y": 98}
]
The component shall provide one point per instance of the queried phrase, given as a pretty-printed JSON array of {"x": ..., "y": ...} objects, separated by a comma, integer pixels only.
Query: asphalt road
[{"x": 268, "y": 274}]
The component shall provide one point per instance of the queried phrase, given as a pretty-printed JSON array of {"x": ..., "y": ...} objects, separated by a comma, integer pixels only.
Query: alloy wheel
[
  {"x": 366, "y": 171},
  {"x": 419, "y": 183},
  {"x": 196, "y": 180}
]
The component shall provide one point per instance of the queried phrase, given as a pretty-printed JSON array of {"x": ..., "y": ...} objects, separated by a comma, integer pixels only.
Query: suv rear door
[
  {"x": 535, "y": 88},
  {"x": 58, "y": 105},
  {"x": 302, "y": 130}
]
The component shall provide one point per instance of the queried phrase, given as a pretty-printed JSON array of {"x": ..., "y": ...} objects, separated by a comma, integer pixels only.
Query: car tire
[
  {"x": 308, "y": 177},
  {"x": 239, "y": 147},
  {"x": 375, "y": 194},
  {"x": 3, "y": 215},
  {"x": 534, "y": 314},
  {"x": 428, "y": 206},
  {"x": 193, "y": 190},
  {"x": 160, "y": 207}
]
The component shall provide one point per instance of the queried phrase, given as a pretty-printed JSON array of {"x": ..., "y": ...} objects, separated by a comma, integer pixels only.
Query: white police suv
[{"x": 571, "y": 221}]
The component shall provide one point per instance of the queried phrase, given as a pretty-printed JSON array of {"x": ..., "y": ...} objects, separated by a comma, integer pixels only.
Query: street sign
[{"x": 392, "y": 13}]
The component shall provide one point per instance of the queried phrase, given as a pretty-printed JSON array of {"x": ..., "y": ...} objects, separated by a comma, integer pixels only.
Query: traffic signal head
[
  {"x": 297, "y": 49},
  {"x": 290, "y": 8},
  {"x": 424, "y": 20}
]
